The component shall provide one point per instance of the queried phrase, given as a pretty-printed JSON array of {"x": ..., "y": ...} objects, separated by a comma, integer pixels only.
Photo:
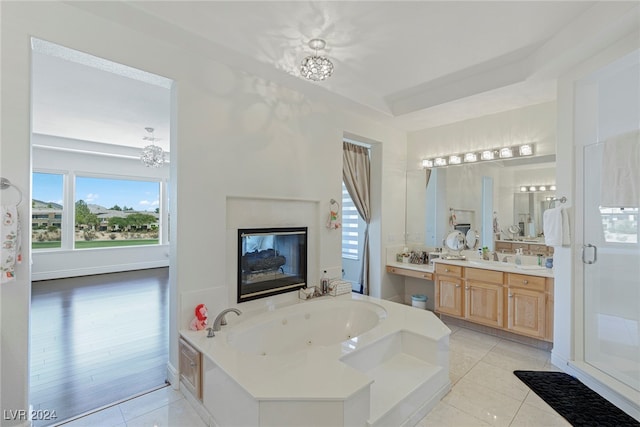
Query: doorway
[{"x": 100, "y": 235}]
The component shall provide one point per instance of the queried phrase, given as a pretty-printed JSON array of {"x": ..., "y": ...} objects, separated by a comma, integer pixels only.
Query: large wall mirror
[
  {"x": 463, "y": 190},
  {"x": 528, "y": 208}
]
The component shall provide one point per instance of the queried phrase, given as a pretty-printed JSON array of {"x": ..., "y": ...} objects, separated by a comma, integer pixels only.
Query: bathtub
[
  {"x": 303, "y": 326},
  {"x": 334, "y": 361}
]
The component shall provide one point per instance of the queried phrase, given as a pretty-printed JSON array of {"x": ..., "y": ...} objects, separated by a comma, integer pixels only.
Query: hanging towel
[
  {"x": 620, "y": 182},
  {"x": 566, "y": 229},
  {"x": 10, "y": 251},
  {"x": 552, "y": 226},
  {"x": 555, "y": 223}
]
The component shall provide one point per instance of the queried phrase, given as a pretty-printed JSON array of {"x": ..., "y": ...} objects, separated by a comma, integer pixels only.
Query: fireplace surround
[{"x": 271, "y": 261}]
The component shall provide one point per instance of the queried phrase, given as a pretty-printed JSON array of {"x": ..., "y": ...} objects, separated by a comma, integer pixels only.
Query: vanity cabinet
[
  {"x": 448, "y": 290},
  {"x": 518, "y": 303},
  {"x": 527, "y": 298},
  {"x": 484, "y": 297}
]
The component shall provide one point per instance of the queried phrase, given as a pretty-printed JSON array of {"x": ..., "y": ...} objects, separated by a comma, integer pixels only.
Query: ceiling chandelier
[
  {"x": 316, "y": 67},
  {"x": 152, "y": 156}
]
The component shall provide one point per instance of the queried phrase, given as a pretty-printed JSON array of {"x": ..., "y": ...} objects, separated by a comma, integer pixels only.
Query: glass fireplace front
[{"x": 271, "y": 261}]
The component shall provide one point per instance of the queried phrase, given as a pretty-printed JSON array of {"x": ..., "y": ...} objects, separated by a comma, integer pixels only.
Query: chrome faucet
[
  {"x": 221, "y": 321},
  {"x": 495, "y": 256}
]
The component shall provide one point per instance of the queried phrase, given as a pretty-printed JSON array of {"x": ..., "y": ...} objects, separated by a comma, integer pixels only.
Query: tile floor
[{"x": 484, "y": 392}]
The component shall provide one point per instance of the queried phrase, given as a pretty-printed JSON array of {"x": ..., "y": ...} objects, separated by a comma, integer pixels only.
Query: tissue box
[{"x": 339, "y": 287}]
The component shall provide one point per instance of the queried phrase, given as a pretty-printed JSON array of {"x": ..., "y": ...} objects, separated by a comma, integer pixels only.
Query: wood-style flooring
[{"x": 97, "y": 340}]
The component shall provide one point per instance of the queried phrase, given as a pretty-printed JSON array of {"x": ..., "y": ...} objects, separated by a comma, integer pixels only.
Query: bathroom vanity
[{"x": 517, "y": 299}]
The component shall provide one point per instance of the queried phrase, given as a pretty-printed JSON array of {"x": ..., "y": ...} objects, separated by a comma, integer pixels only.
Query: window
[
  {"x": 47, "y": 210},
  {"x": 116, "y": 212},
  {"x": 620, "y": 225},
  {"x": 350, "y": 226}
]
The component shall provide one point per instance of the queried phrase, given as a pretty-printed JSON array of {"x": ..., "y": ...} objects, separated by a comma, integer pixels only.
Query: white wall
[{"x": 232, "y": 134}]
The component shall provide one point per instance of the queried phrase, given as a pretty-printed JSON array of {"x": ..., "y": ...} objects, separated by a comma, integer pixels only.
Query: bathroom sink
[{"x": 486, "y": 263}]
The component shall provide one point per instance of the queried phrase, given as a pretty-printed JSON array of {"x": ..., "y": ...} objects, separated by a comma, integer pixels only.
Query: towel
[
  {"x": 10, "y": 251},
  {"x": 620, "y": 181},
  {"x": 555, "y": 223}
]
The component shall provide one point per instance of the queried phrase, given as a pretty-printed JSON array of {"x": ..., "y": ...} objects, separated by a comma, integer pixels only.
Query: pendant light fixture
[
  {"x": 152, "y": 156},
  {"x": 315, "y": 67}
]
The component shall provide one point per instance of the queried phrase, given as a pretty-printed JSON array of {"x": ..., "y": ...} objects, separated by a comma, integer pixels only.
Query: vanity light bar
[
  {"x": 532, "y": 188},
  {"x": 484, "y": 155}
]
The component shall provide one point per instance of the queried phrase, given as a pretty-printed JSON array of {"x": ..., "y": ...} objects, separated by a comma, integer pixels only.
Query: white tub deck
[{"x": 391, "y": 374}]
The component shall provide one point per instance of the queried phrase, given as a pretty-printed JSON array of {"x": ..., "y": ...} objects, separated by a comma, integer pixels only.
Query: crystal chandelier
[
  {"x": 316, "y": 67},
  {"x": 152, "y": 156}
]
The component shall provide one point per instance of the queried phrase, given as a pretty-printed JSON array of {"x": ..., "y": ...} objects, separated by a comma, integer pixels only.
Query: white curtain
[{"x": 356, "y": 174}]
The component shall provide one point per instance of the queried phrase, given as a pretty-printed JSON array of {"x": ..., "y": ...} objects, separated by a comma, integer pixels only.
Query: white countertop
[
  {"x": 316, "y": 373},
  {"x": 529, "y": 269}
]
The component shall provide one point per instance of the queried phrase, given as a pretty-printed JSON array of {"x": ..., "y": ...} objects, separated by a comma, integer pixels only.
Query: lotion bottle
[{"x": 519, "y": 256}]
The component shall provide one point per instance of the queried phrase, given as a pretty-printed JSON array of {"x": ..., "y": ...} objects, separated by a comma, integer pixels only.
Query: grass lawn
[
  {"x": 46, "y": 245},
  {"x": 83, "y": 244}
]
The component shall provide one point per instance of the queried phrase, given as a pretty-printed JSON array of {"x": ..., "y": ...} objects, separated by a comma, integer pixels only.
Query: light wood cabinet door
[
  {"x": 484, "y": 303},
  {"x": 526, "y": 312},
  {"x": 448, "y": 293}
]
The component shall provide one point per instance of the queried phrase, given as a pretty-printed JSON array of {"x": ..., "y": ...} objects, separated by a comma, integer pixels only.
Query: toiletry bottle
[
  {"x": 518, "y": 256},
  {"x": 324, "y": 282}
]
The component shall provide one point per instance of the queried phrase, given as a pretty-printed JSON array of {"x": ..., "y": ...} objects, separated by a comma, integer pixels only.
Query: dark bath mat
[{"x": 576, "y": 402}]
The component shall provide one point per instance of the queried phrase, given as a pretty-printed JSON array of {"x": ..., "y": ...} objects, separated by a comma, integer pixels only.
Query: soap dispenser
[{"x": 519, "y": 256}]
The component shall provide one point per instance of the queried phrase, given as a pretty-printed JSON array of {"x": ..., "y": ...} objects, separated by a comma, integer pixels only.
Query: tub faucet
[{"x": 221, "y": 321}]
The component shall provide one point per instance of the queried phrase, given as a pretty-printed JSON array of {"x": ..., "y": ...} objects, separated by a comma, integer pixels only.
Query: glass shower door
[{"x": 611, "y": 262}]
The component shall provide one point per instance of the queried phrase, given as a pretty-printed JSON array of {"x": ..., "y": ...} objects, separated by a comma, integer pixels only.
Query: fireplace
[{"x": 271, "y": 261}]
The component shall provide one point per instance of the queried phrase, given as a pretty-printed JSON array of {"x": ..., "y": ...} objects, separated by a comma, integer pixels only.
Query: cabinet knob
[
  {"x": 457, "y": 286},
  {"x": 446, "y": 270},
  {"x": 466, "y": 287},
  {"x": 393, "y": 270},
  {"x": 510, "y": 295},
  {"x": 425, "y": 276},
  {"x": 525, "y": 281}
]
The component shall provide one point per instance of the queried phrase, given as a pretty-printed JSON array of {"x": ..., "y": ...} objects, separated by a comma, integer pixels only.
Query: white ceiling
[{"x": 416, "y": 64}]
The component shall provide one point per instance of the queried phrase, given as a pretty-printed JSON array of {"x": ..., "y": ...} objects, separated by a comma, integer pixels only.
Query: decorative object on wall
[
  {"x": 152, "y": 156},
  {"x": 315, "y": 67},
  {"x": 11, "y": 249},
  {"x": 200, "y": 321},
  {"x": 522, "y": 150},
  {"x": 334, "y": 215}
]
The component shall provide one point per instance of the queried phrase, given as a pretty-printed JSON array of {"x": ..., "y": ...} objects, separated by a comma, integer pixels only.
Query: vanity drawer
[
  {"x": 448, "y": 270},
  {"x": 426, "y": 275},
  {"x": 480, "y": 275},
  {"x": 523, "y": 281}
]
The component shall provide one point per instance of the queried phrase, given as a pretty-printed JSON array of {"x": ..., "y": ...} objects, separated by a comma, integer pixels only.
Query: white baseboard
[
  {"x": 172, "y": 376},
  {"x": 77, "y": 272}
]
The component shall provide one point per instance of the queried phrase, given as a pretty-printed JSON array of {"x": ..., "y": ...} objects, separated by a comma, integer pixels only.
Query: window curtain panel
[{"x": 356, "y": 174}]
